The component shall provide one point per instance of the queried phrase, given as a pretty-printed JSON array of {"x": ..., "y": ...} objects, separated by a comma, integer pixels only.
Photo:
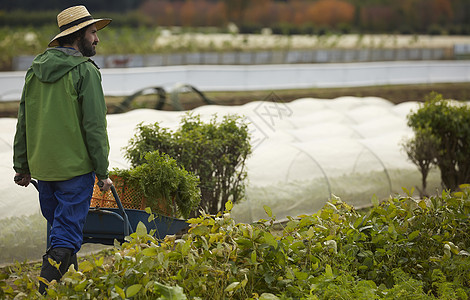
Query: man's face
[{"x": 87, "y": 44}]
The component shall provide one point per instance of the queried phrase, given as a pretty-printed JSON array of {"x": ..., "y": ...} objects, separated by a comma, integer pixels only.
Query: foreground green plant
[
  {"x": 400, "y": 248},
  {"x": 168, "y": 188}
]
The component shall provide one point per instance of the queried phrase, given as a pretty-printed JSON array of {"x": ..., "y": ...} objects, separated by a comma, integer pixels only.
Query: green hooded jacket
[{"x": 61, "y": 131}]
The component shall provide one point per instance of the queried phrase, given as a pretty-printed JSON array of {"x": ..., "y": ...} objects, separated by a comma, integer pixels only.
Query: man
[{"x": 61, "y": 137}]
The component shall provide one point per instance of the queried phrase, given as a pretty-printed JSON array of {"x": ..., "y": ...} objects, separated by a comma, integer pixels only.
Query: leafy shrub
[
  {"x": 215, "y": 152},
  {"x": 161, "y": 181},
  {"x": 399, "y": 249},
  {"x": 447, "y": 126},
  {"x": 435, "y": 29}
]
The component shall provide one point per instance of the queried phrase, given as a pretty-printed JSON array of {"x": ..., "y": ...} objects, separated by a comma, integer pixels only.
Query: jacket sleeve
[
  {"x": 94, "y": 118},
  {"x": 20, "y": 154}
]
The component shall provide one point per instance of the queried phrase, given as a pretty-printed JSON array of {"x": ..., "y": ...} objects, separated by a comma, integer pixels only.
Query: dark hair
[{"x": 69, "y": 39}]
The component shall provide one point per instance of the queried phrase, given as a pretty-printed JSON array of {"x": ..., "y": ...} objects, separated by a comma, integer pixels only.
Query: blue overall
[{"x": 65, "y": 206}]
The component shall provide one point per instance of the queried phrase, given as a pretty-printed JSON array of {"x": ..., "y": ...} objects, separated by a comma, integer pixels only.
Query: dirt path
[{"x": 393, "y": 93}]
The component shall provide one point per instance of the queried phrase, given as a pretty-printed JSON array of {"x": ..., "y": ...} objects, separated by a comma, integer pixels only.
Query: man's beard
[{"x": 86, "y": 48}]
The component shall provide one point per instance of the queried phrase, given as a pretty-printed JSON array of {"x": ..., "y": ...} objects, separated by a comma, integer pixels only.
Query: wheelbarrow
[{"x": 104, "y": 225}]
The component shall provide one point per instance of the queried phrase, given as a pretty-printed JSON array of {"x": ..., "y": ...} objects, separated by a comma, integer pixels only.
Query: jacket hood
[{"x": 54, "y": 63}]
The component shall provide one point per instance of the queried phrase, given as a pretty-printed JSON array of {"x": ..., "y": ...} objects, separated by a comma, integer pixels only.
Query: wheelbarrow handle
[
  {"x": 35, "y": 183},
  {"x": 127, "y": 226}
]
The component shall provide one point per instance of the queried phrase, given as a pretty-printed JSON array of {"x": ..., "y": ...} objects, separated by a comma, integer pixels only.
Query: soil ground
[{"x": 394, "y": 93}]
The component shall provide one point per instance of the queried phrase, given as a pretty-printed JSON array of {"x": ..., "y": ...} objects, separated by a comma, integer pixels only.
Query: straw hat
[{"x": 73, "y": 19}]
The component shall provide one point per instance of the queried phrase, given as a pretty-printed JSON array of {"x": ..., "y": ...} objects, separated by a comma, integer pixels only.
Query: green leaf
[
  {"x": 54, "y": 263},
  {"x": 195, "y": 220},
  {"x": 368, "y": 262},
  {"x": 301, "y": 275},
  {"x": 186, "y": 247},
  {"x": 464, "y": 186},
  {"x": 375, "y": 200},
  {"x": 120, "y": 292},
  {"x": 133, "y": 290},
  {"x": 52, "y": 293},
  {"x": 268, "y": 296},
  {"x": 408, "y": 192},
  {"x": 244, "y": 281},
  {"x": 357, "y": 223},
  {"x": 422, "y": 204},
  {"x": 81, "y": 286},
  {"x": 310, "y": 232},
  {"x": 170, "y": 292},
  {"x": 141, "y": 230},
  {"x": 99, "y": 262},
  {"x": 233, "y": 286},
  {"x": 86, "y": 266},
  {"x": 270, "y": 239},
  {"x": 228, "y": 206},
  {"x": 268, "y": 211},
  {"x": 200, "y": 230},
  {"x": 150, "y": 251},
  {"x": 315, "y": 266},
  {"x": 43, "y": 280},
  {"x": 247, "y": 230},
  {"x": 453, "y": 248},
  {"x": 253, "y": 257},
  {"x": 413, "y": 235},
  {"x": 244, "y": 243},
  {"x": 328, "y": 271}
]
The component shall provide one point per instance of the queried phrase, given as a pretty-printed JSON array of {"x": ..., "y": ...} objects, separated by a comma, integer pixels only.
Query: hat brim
[{"x": 100, "y": 24}]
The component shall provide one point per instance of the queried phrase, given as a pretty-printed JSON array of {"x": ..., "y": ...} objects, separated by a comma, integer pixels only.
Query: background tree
[
  {"x": 105, "y": 5},
  {"x": 448, "y": 124},
  {"x": 235, "y": 9},
  {"x": 331, "y": 12},
  {"x": 368, "y": 16},
  {"x": 377, "y": 18},
  {"x": 422, "y": 151},
  {"x": 189, "y": 13}
]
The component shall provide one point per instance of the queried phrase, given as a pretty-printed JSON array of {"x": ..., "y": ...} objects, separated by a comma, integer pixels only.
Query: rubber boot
[
  {"x": 74, "y": 261},
  {"x": 49, "y": 272}
]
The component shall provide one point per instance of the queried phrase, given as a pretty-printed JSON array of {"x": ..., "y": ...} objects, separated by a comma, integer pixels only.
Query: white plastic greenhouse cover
[{"x": 303, "y": 152}]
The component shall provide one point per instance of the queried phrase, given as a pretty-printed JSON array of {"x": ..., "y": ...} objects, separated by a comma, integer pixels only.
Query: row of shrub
[
  {"x": 134, "y": 19},
  {"x": 402, "y": 248},
  {"x": 311, "y": 29},
  {"x": 20, "y": 18}
]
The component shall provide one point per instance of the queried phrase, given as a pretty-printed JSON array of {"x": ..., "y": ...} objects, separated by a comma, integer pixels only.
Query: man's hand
[
  {"x": 105, "y": 184},
  {"x": 22, "y": 179}
]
